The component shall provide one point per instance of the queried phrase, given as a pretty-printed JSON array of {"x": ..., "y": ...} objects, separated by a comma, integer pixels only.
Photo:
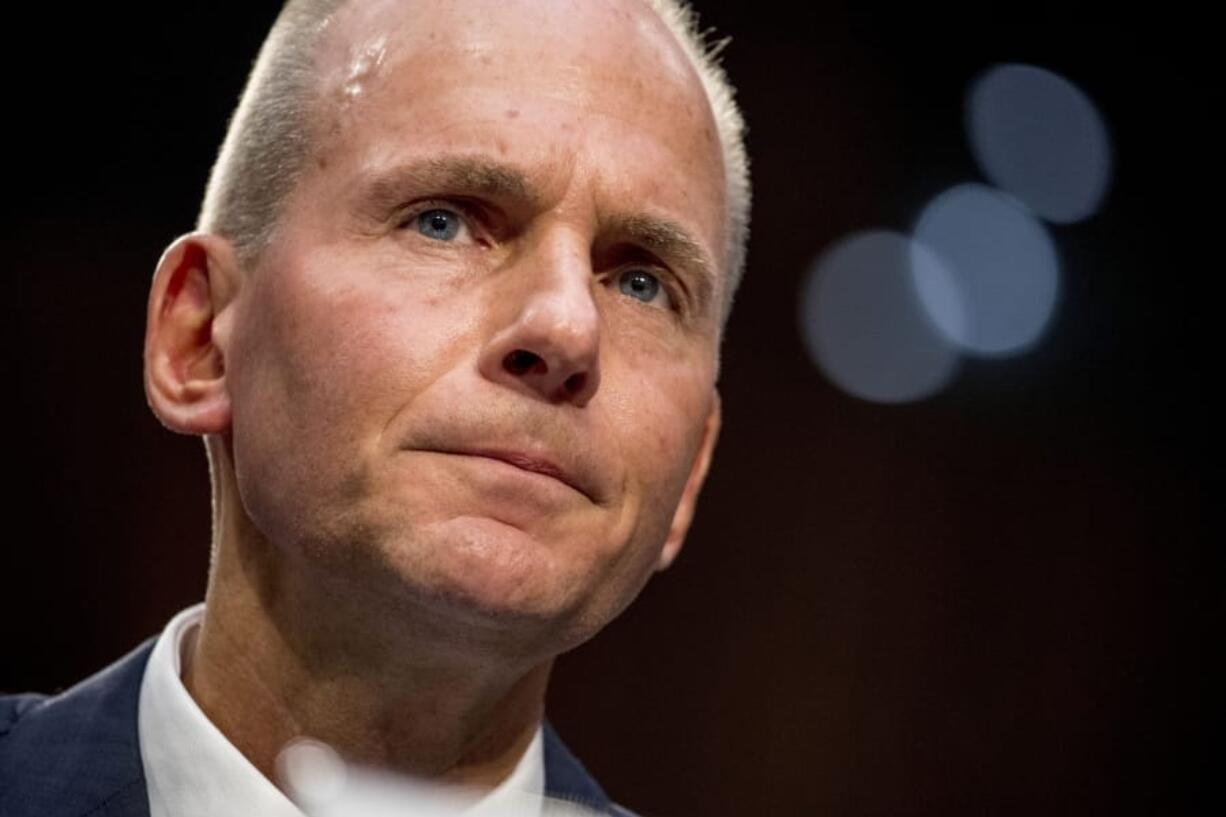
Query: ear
[
  {"x": 693, "y": 484},
  {"x": 186, "y": 334}
]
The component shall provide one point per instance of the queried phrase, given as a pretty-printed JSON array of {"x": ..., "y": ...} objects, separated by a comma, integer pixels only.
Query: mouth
[{"x": 527, "y": 462}]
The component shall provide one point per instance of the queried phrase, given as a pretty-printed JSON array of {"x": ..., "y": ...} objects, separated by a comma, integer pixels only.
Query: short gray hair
[{"x": 271, "y": 133}]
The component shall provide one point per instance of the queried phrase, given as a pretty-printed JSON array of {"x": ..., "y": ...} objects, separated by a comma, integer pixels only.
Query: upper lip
[{"x": 530, "y": 462}]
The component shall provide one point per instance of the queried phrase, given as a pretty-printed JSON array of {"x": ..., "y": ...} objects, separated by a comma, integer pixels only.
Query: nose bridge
[
  {"x": 558, "y": 301},
  {"x": 549, "y": 343}
]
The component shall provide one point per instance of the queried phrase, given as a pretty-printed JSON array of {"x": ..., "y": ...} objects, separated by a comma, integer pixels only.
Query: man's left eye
[
  {"x": 440, "y": 224},
  {"x": 642, "y": 285}
]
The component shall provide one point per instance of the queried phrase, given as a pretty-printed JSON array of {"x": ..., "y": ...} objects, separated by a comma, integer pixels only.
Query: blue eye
[
  {"x": 639, "y": 284},
  {"x": 441, "y": 225}
]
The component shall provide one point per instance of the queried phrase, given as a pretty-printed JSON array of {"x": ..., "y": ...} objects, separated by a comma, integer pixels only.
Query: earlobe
[
  {"x": 693, "y": 485},
  {"x": 185, "y": 355}
]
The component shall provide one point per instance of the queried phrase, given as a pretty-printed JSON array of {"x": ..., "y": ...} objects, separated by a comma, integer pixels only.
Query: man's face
[{"x": 477, "y": 361}]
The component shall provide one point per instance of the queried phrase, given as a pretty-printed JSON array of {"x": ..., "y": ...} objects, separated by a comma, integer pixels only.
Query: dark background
[{"x": 1002, "y": 600}]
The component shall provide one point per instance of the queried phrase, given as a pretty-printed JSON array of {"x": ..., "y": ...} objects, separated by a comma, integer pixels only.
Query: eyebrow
[
  {"x": 673, "y": 243},
  {"x": 458, "y": 174}
]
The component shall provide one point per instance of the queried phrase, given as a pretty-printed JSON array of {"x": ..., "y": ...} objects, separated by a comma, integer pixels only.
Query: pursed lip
[{"x": 527, "y": 462}]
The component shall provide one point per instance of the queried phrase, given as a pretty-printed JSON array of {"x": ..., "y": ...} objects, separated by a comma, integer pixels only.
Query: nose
[{"x": 549, "y": 343}]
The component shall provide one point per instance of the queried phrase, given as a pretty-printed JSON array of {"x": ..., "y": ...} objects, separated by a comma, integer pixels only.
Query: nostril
[
  {"x": 575, "y": 383},
  {"x": 521, "y": 361}
]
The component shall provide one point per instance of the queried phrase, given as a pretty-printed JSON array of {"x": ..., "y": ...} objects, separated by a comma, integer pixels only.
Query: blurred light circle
[
  {"x": 996, "y": 258},
  {"x": 1038, "y": 137},
  {"x": 863, "y": 324},
  {"x": 312, "y": 770}
]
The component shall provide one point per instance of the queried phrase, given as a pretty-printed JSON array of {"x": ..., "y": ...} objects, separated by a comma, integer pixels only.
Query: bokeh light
[
  {"x": 863, "y": 323},
  {"x": 1038, "y": 137},
  {"x": 999, "y": 261},
  {"x": 313, "y": 771}
]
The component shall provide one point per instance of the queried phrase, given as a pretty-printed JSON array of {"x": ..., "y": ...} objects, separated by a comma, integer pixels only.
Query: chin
[
  {"x": 490, "y": 573},
  {"x": 494, "y": 586}
]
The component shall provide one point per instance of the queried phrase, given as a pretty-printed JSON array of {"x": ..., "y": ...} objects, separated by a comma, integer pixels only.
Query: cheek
[
  {"x": 321, "y": 372},
  {"x": 301, "y": 368},
  {"x": 332, "y": 350},
  {"x": 287, "y": 392},
  {"x": 659, "y": 420}
]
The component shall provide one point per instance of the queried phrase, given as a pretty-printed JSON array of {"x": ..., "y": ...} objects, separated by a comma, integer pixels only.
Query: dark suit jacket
[{"x": 77, "y": 754}]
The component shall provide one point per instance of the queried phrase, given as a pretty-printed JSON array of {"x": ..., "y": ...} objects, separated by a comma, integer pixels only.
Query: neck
[{"x": 283, "y": 654}]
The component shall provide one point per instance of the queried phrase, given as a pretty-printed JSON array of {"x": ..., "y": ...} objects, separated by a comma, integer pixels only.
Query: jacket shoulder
[{"x": 78, "y": 752}]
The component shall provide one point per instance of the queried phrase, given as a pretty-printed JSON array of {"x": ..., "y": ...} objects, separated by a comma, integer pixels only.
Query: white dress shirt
[{"x": 192, "y": 770}]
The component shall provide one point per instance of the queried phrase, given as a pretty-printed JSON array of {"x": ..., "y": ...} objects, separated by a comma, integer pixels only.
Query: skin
[{"x": 392, "y": 573}]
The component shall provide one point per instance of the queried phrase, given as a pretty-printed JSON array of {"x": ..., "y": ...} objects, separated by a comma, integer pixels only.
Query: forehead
[
  {"x": 495, "y": 38},
  {"x": 560, "y": 87}
]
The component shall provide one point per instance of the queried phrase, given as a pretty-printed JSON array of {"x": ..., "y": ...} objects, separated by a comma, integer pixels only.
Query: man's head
[{"x": 469, "y": 368}]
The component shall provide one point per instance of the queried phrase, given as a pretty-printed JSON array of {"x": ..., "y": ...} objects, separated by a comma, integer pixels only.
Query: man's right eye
[{"x": 440, "y": 224}]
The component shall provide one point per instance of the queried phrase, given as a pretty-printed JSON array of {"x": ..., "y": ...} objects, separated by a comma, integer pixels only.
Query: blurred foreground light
[
  {"x": 314, "y": 770},
  {"x": 994, "y": 260},
  {"x": 1038, "y": 137},
  {"x": 863, "y": 323}
]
